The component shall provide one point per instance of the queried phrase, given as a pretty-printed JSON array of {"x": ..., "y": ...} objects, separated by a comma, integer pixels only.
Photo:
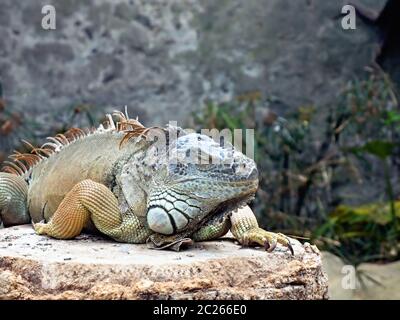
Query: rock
[{"x": 90, "y": 267}]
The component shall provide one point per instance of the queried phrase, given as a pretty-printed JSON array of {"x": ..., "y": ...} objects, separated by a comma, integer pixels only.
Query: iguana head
[{"x": 199, "y": 179}]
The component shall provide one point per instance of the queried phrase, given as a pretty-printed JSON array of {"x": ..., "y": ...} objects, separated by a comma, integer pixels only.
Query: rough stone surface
[
  {"x": 165, "y": 57},
  {"x": 35, "y": 267}
]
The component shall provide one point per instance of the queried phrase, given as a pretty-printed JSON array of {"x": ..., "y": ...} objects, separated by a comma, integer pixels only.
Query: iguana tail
[{"x": 13, "y": 203}]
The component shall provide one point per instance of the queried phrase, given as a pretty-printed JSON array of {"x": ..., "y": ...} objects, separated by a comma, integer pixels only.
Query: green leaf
[
  {"x": 381, "y": 149},
  {"x": 392, "y": 117}
]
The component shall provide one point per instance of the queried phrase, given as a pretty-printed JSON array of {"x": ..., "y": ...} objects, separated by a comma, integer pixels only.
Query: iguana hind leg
[
  {"x": 13, "y": 203},
  {"x": 246, "y": 230},
  {"x": 92, "y": 200}
]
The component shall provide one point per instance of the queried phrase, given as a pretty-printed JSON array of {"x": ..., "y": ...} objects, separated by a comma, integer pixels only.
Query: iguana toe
[{"x": 268, "y": 240}]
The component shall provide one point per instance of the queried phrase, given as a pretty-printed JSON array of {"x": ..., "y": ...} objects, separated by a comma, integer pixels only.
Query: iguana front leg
[
  {"x": 92, "y": 200},
  {"x": 244, "y": 226},
  {"x": 246, "y": 230},
  {"x": 13, "y": 204}
]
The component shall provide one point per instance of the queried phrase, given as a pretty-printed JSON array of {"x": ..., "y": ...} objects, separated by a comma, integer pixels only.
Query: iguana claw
[
  {"x": 289, "y": 245},
  {"x": 40, "y": 227},
  {"x": 268, "y": 240}
]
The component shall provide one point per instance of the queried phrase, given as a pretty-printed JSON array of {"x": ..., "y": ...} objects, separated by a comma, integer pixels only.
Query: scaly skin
[
  {"x": 13, "y": 200},
  {"x": 135, "y": 189}
]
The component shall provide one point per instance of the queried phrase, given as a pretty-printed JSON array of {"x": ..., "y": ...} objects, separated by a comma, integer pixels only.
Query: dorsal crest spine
[{"x": 22, "y": 163}]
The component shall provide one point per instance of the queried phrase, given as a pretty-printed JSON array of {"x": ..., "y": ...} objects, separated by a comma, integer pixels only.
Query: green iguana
[{"x": 163, "y": 186}]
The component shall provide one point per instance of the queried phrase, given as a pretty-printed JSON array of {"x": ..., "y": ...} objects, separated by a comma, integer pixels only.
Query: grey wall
[{"x": 163, "y": 58}]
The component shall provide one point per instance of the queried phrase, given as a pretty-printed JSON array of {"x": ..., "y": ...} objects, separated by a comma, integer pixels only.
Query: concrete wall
[{"x": 163, "y": 58}]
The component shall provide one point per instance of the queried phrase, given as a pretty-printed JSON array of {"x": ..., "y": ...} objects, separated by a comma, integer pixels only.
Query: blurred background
[{"x": 323, "y": 102}]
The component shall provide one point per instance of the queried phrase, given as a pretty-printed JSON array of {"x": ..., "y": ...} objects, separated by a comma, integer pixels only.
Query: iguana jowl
[{"x": 135, "y": 185}]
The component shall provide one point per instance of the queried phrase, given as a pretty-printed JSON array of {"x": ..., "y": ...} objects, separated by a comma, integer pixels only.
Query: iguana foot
[
  {"x": 246, "y": 230},
  {"x": 268, "y": 240}
]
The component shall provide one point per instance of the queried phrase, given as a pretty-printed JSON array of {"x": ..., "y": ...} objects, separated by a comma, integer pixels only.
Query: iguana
[{"x": 164, "y": 186}]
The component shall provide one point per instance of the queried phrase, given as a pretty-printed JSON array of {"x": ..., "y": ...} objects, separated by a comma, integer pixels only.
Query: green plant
[{"x": 369, "y": 138}]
